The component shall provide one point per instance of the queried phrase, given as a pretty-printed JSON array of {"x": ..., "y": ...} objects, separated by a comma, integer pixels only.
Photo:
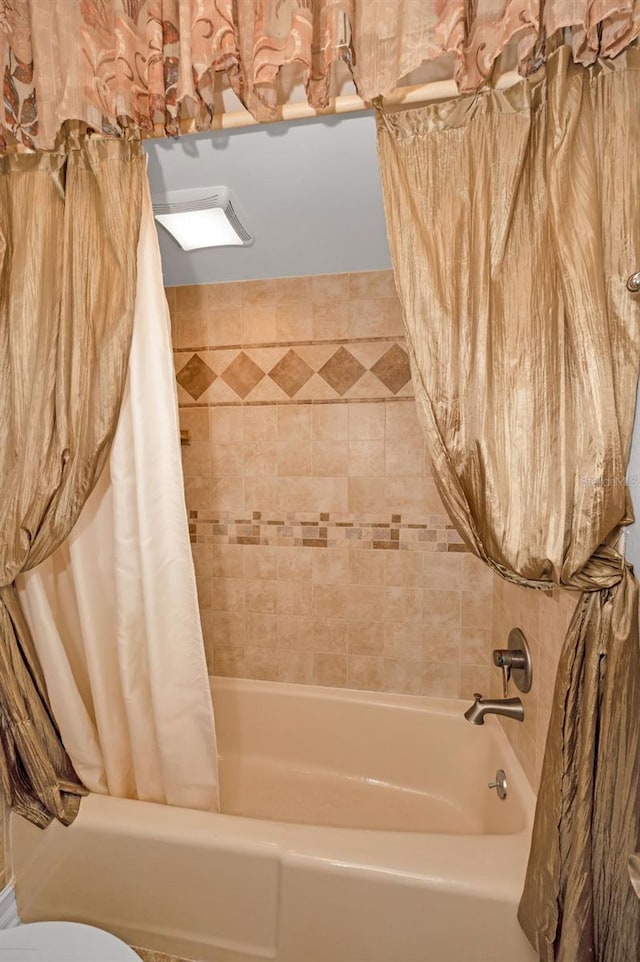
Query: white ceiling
[{"x": 308, "y": 191}]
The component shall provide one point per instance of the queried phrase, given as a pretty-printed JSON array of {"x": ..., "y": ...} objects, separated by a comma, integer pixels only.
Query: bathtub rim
[
  {"x": 473, "y": 863},
  {"x": 435, "y": 704}
]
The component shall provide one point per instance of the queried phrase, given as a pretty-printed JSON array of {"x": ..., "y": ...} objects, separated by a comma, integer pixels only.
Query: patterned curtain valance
[{"x": 150, "y": 66}]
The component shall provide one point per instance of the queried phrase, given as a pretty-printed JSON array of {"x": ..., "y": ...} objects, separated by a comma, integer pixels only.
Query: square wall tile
[
  {"x": 295, "y": 666},
  {"x": 330, "y": 669},
  {"x": 330, "y": 422}
]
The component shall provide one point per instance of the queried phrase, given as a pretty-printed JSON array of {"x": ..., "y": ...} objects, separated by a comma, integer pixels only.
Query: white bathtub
[{"x": 358, "y": 827}]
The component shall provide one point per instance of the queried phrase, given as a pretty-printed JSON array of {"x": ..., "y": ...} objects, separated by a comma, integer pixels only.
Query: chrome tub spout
[{"x": 509, "y": 707}]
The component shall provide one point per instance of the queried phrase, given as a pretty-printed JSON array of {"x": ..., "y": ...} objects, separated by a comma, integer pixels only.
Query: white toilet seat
[{"x": 62, "y": 942}]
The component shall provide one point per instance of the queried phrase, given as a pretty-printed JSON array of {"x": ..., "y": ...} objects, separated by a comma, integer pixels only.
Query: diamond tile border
[
  {"x": 362, "y": 370},
  {"x": 326, "y": 530}
]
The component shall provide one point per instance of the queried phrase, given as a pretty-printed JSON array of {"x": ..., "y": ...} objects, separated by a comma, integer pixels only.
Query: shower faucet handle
[
  {"x": 506, "y": 673},
  {"x": 506, "y": 659},
  {"x": 514, "y": 660}
]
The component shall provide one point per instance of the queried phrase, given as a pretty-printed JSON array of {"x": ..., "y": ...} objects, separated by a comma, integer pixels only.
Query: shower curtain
[
  {"x": 514, "y": 222},
  {"x": 114, "y": 613},
  {"x": 65, "y": 335}
]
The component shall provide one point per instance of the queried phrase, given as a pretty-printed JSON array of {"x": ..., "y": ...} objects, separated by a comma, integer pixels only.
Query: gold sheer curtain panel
[
  {"x": 69, "y": 223},
  {"x": 514, "y": 222}
]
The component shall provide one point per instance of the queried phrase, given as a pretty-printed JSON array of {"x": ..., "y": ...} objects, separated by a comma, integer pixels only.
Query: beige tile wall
[
  {"x": 322, "y": 550},
  {"x": 544, "y": 618}
]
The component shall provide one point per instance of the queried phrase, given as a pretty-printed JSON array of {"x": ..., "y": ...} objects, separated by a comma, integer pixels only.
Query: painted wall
[{"x": 309, "y": 192}]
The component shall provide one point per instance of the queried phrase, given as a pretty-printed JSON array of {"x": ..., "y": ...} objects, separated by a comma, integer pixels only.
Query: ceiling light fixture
[{"x": 202, "y": 217}]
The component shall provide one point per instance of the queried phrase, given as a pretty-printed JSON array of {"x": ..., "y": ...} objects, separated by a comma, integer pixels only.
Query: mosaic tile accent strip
[
  {"x": 360, "y": 370},
  {"x": 325, "y": 530}
]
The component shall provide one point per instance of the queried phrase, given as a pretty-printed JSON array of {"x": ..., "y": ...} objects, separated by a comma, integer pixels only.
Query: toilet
[{"x": 62, "y": 942}]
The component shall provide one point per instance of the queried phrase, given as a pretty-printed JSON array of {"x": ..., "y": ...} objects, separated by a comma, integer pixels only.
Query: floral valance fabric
[{"x": 150, "y": 66}]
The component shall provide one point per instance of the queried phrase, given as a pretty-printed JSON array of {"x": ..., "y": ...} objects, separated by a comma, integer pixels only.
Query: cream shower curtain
[
  {"x": 514, "y": 221},
  {"x": 114, "y": 613}
]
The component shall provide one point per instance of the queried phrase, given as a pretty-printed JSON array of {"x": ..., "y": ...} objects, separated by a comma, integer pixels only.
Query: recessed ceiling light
[{"x": 201, "y": 217}]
